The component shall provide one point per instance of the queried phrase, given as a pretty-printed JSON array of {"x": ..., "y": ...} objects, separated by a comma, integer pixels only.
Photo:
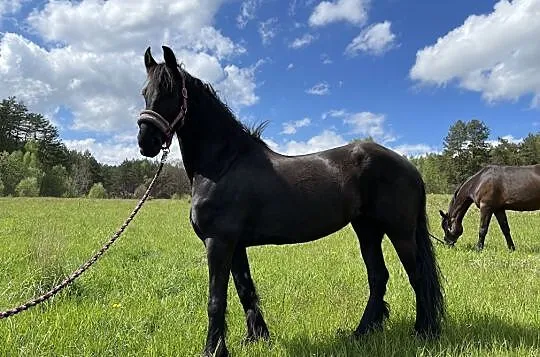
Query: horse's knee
[{"x": 216, "y": 306}]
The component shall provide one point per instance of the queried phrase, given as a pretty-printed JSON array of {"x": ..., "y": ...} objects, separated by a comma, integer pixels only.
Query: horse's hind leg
[
  {"x": 256, "y": 327},
  {"x": 370, "y": 238},
  {"x": 505, "y": 228},
  {"x": 406, "y": 248}
]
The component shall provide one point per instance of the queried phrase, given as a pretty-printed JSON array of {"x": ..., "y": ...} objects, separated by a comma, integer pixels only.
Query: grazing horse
[
  {"x": 244, "y": 194},
  {"x": 494, "y": 189}
]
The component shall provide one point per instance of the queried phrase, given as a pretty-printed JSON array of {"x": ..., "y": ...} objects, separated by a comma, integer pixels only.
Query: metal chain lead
[{"x": 69, "y": 279}]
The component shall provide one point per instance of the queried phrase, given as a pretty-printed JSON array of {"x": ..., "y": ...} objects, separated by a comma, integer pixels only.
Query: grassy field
[{"x": 147, "y": 295}]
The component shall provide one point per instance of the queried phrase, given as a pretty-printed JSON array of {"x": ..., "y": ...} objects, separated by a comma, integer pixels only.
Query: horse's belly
[
  {"x": 298, "y": 225},
  {"x": 529, "y": 205}
]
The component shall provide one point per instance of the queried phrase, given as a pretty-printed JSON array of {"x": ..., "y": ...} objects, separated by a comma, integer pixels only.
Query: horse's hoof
[
  {"x": 427, "y": 334},
  {"x": 362, "y": 331},
  {"x": 219, "y": 351},
  {"x": 479, "y": 247},
  {"x": 263, "y": 335},
  {"x": 512, "y": 248}
]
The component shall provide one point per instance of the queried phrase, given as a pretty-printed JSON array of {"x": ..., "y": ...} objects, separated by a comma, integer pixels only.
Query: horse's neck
[
  {"x": 209, "y": 146},
  {"x": 462, "y": 202}
]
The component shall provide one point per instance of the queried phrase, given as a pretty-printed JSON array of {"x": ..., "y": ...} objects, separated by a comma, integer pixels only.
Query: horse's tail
[{"x": 430, "y": 290}]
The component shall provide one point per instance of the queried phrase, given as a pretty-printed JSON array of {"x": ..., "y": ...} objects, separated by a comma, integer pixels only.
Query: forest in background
[{"x": 35, "y": 162}]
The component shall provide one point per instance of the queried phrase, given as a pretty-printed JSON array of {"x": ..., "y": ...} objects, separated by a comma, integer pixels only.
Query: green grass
[{"x": 147, "y": 295}]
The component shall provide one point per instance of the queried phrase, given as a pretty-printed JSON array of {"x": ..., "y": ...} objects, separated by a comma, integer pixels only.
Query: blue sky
[{"x": 322, "y": 72}]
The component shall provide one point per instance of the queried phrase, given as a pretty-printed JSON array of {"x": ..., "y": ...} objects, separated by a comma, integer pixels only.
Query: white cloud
[
  {"x": 268, "y": 30},
  {"x": 376, "y": 39},
  {"x": 98, "y": 74},
  {"x": 291, "y": 127},
  {"x": 326, "y": 59},
  {"x": 494, "y": 54},
  {"x": 335, "y": 113},
  {"x": 8, "y": 7},
  {"x": 292, "y": 8},
  {"x": 115, "y": 150},
  {"x": 509, "y": 138},
  {"x": 290, "y": 66},
  {"x": 364, "y": 123},
  {"x": 415, "y": 150},
  {"x": 353, "y": 11},
  {"x": 272, "y": 144},
  {"x": 247, "y": 12},
  {"x": 302, "y": 41},
  {"x": 239, "y": 85},
  {"x": 321, "y": 88},
  {"x": 326, "y": 140}
]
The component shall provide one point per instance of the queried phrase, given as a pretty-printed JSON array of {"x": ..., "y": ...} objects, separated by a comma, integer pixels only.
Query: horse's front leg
[
  {"x": 219, "y": 253},
  {"x": 485, "y": 218},
  {"x": 256, "y": 327}
]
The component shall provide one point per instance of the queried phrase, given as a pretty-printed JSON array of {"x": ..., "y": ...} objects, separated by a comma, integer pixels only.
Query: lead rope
[
  {"x": 71, "y": 278},
  {"x": 439, "y": 240}
]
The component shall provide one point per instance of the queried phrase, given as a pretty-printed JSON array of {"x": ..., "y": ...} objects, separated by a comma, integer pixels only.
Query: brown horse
[{"x": 494, "y": 189}]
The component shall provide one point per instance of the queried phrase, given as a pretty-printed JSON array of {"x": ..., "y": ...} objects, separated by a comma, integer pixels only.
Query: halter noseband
[{"x": 156, "y": 119}]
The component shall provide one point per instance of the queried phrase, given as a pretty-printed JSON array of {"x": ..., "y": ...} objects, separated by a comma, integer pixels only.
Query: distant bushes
[
  {"x": 28, "y": 187},
  {"x": 97, "y": 191}
]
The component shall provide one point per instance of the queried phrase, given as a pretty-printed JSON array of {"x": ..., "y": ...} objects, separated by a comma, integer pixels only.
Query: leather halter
[{"x": 156, "y": 119}]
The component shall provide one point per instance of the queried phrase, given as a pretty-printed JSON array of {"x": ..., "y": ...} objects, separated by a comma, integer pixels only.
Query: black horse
[
  {"x": 244, "y": 194},
  {"x": 493, "y": 189}
]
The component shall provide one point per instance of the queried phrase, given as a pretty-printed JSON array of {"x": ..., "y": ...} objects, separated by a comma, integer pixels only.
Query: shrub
[
  {"x": 1, "y": 188},
  {"x": 28, "y": 187},
  {"x": 97, "y": 191},
  {"x": 54, "y": 182},
  {"x": 139, "y": 191},
  {"x": 71, "y": 190}
]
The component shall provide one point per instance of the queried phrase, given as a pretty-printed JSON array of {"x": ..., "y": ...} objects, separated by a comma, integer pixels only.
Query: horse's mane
[
  {"x": 466, "y": 182},
  {"x": 162, "y": 75}
]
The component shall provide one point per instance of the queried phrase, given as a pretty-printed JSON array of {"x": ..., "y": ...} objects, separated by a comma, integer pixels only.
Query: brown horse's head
[{"x": 452, "y": 228}]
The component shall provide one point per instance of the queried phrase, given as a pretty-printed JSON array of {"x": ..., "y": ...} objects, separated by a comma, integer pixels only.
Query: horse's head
[
  {"x": 452, "y": 228},
  {"x": 165, "y": 95}
]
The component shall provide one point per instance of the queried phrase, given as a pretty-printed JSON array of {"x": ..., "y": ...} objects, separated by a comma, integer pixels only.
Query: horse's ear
[
  {"x": 149, "y": 61},
  {"x": 443, "y": 215},
  {"x": 170, "y": 58}
]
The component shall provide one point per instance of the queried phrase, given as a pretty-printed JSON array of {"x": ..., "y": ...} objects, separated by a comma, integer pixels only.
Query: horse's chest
[{"x": 214, "y": 217}]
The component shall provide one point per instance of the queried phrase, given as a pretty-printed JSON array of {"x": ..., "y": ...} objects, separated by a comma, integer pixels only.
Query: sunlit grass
[{"x": 147, "y": 295}]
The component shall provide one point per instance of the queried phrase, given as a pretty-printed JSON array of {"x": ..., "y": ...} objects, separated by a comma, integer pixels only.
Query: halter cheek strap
[{"x": 156, "y": 119}]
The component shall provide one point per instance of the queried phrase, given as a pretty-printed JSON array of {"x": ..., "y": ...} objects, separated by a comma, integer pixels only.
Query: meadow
[{"x": 147, "y": 295}]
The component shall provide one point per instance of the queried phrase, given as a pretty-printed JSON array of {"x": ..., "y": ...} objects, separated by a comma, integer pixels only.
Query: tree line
[
  {"x": 466, "y": 150},
  {"x": 35, "y": 162}
]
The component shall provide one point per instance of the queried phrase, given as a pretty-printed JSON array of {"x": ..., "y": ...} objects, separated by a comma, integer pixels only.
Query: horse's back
[{"x": 509, "y": 187}]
